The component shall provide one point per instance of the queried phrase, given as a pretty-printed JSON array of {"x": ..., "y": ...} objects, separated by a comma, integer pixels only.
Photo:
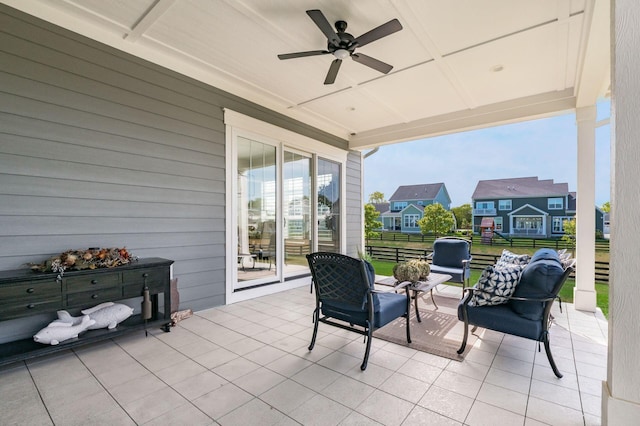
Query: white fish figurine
[
  {"x": 106, "y": 314},
  {"x": 58, "y": 331}
]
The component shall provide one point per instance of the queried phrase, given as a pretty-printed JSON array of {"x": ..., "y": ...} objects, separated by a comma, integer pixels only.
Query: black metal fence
[
  {"x": 479, "y": 262},
  {"x": 601, "y": 245}
]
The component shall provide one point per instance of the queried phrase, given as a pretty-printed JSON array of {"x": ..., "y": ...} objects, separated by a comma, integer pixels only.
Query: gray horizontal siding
[
  {"x": 101, "y": 149},
  {"x": 354, "y": 204}
]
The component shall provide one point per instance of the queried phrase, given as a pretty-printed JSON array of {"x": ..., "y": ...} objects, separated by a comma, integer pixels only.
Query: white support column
[
  {"x": 621, "y": 390},
  {"x": 584, "y": 293}
]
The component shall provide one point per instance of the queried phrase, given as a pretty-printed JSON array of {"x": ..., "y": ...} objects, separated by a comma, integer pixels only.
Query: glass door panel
[
  {"x": 328, "y": 192},
  {"x": 296, "y": 198},
  {"x": 256, "y": 213}
]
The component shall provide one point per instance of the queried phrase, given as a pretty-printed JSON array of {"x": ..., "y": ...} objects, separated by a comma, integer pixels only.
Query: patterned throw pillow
[
  {"x": 513, "y": 259},
  {"x": 496, "y": 284}
]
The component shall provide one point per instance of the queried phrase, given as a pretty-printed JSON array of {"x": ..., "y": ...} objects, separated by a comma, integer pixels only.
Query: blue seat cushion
[
  {"x": 538, "y": 281},
  {"x": 389, "y": 307},
  {"x": 450, "y": 252},
  {"x": 501, "y": 318}
]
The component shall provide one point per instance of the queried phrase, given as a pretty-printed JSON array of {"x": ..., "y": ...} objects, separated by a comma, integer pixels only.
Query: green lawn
[{"x": 566, "y": 293}]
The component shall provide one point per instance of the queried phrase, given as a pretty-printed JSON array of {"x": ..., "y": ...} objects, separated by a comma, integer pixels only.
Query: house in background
[
  {"x": 381, "y": 208},
  {"x": 406, "y": 206},
  {"x": 525, "y": 206}
]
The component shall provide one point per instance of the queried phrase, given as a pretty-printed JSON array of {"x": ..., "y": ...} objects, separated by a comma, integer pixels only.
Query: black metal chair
[
  {"x": 528, "y": 312},
  {"x": 452, "y": 256},
  {"x": 346, "y": 297}
]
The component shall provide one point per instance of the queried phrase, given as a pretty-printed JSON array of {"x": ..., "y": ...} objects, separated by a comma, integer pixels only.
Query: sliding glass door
[
  {"x": 297, "y": 218},
  {"x": 286, "y": 204},
  {"x": 257, "y": 215},
  {"x": 328, "y": 196}
]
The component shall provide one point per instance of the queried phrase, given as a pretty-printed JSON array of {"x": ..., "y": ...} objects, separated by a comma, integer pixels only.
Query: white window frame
[
  {"x": 237, "y": 124},
  {"x": 552, "y": 203},
  {"x": 486, "y": 205},
  {"x": 561, "y": 219},
  {"x": 497, "y": 222},
  {"x": 411, "y": 220},
  {"x": 504, "y": 205},
  {"x": 399, "y": 205}
]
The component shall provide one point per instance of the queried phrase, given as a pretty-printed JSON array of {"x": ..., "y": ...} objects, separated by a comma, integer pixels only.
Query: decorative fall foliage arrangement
[{"x": 91, "y": 258}]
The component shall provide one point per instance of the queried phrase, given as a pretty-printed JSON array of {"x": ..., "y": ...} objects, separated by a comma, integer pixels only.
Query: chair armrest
[
  {"x": 396, "y": 287},
  {"x": 467, "y": 293},
  {"x": 531, "y": 299}
]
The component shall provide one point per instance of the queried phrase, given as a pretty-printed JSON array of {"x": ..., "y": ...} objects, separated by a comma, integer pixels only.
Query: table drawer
[
  {"x": 24, "y": 307},
  {"x": 87, "y": 283},
  {"x": 29, "y": 290},
  {"x": 134, "y": 281},
  {"x": 138, "y": 276},
  {"x": 89, "y": 299}
]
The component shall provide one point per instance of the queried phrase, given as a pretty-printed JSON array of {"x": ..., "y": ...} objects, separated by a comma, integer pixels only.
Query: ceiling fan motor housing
[{"x": 346, "y": 39}]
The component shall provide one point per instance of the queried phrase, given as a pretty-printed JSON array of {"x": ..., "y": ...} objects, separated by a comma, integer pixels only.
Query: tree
[
  {"x": 436, "y": 220},
  {"x": 377, "y": 197},
  {"x": 569, "y": 226},
  {"x": 463, "y": 216},
  {"x": 370, "y": 222},
  {"x": 606, "y": 207}
]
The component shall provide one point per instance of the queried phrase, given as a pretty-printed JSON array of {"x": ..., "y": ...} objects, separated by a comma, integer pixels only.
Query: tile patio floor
[{"x": 248, "y": 364}]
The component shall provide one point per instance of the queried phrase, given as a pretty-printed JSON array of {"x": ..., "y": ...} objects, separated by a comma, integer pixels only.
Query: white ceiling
[{"x": 553, "y": 55}]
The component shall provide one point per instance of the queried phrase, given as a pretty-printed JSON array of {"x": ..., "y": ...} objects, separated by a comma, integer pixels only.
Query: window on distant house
[
  {"x": 497, "y": 221},
  {"x": 557, "y": 224},
  {"x": 485, "y": 205},
  {"x": 504, "y": 205},
  {"x": 399, "y": 205},
  {"x": 420, "y": 202},
  {"x": 410, "y": 220},
  {"x": 555, "y": 203}
]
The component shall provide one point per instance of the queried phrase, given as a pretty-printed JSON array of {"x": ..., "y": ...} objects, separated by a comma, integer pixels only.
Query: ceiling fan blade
[
  {"x": 318, "y": 17},
  {"x": 372, "y": 63},
  {"x": 377, "y": 33},
  {"x": 333, "y": 71},
  {"x": 303, "y": 54}
]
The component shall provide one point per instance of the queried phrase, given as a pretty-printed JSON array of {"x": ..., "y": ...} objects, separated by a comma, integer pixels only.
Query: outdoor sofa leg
[
  {"x": 409, "y": 317},
  {"x": 465, "y": 318},
  {"x": 464, "y": 338},
  {"x": 316, "y": 317},
  {"x": 366, "y": 352},
  {"x": 547, "y": 349}
]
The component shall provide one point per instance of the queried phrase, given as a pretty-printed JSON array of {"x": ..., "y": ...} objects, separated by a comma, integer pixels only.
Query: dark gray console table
[{"x": 24, "y": 293}]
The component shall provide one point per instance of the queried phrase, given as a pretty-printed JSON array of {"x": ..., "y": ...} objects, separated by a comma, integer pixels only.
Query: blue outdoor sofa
[{"x": 515, "y": 297}]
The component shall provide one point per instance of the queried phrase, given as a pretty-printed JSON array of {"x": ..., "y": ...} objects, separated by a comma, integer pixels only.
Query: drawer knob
[
  {"x": 31, "y": 306},
  {"x": 30, "y": 290},
  {"x": 94, "y": 296},
  {"x": 94, "y": 281}
]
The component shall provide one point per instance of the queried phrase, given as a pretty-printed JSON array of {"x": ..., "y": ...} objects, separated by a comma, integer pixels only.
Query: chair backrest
[
  {"x": 542, "y": 278},
  {"x": 338, "y": 278},
  {"x": 451, "y": 252}
]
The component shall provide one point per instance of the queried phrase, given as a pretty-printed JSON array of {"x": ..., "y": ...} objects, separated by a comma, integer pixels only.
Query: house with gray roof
[
  {"x": 526, "y": 206},
  {"x": 406, "y": 205}
]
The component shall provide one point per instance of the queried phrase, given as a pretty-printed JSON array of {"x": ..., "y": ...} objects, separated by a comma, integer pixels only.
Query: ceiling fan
[{"x": 342, "y": 44}]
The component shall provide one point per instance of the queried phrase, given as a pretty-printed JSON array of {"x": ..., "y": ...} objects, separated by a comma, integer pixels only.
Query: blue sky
[{"x": 546, "y": 148}]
